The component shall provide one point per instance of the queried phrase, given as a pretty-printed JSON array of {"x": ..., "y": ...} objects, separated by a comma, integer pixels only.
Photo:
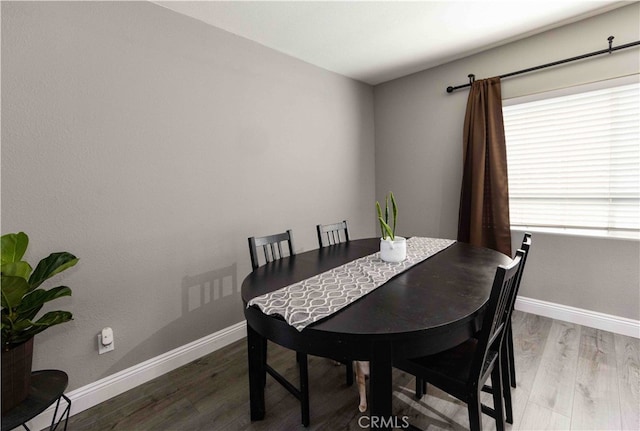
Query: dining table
[{"x": 432, "y": 306}]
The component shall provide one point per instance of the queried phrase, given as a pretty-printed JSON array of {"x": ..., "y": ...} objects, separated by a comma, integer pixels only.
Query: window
[{"x": 574, "y": 159}]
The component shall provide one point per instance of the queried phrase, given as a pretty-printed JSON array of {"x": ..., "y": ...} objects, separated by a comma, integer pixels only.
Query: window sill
[{"x": 590, "y": 233}]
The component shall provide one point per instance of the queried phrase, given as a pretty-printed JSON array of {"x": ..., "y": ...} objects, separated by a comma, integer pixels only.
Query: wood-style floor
[{"x": 569, "y": 377}]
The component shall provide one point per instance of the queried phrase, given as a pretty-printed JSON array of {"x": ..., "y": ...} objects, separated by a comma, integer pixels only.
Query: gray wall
[
  {"x": 140, "y": 140},
  {"x": 419, "y": 156},
  {"x": 151, "y": 146}
]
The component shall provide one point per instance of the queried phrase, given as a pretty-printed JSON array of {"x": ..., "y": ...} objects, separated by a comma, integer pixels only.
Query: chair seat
[{"x": 451, "y": 368}]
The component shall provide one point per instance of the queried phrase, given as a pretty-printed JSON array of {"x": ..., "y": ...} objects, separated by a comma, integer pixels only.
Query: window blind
[{"x": 574, "y": 160}]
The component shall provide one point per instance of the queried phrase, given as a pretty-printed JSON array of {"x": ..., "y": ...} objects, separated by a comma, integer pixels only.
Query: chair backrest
[
  {"x": 330, "y": 234},
  {"x": 271, "y": 246},
  {"x": 526, "y": 246},
  {"x": 496, "y": 315}
]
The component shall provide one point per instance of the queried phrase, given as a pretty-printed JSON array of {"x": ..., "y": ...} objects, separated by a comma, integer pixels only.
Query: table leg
[
  {"x": 381, "y": 386},
  {"x": 255, "y": 351}
]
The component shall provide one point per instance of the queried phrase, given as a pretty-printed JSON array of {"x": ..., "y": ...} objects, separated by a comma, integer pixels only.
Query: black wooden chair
[
  {"x": 526, "y": 245},
  {"x": 330, "y": 234},
  {"x": 507, "y": 353},
  {"x": 463, "y": 370},
  {"x": 270, "y": 247}
]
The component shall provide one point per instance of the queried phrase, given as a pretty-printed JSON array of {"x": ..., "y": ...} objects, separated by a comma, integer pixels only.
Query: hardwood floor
[{"x": 570, "y": 377}]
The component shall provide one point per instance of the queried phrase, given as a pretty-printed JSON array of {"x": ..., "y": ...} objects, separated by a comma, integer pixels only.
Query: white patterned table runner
[{"x": 312, "y": 299}]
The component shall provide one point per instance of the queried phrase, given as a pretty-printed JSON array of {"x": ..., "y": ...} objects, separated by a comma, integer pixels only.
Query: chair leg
[
  {"x": 264, "y": 361},
  {"x": 506, "y": 388},
  {"x": 496, "y": 384},
  {"x": 304, "y": 388},
  {"x": 349, "y": 365},
  {"x": 512, "y": 365},
  {"x": 475, "y": 412},
  {"x": 419, "y": 388}
]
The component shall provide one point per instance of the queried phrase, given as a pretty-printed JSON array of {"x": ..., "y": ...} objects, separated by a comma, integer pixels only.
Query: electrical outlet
[{"x": 106, "y": 342}]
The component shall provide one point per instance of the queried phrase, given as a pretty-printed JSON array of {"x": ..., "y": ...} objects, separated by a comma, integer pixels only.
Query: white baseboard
[
  {"x": 592, "y": 319},
  {"x": 94, "y": 393}
]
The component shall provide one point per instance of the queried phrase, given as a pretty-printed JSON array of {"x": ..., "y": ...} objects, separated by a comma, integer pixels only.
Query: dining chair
[
  {"x": 507, "y": 351},
  {"x": 271, "y": 248},
  {"x": 330, "y": 234},
  {"x": 526, "y": 245},
  {"x": 462, "y": 371}
]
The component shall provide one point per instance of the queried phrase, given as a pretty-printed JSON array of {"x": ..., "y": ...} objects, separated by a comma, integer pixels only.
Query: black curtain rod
[{"x": 472, "y": 77}]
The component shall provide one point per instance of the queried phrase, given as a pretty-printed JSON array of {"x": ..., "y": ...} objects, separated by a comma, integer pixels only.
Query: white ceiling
[{"x": 378, "y": 41}]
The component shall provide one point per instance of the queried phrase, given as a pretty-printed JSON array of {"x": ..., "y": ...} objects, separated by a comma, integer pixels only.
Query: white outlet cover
[{"x": 104, "y": 349}]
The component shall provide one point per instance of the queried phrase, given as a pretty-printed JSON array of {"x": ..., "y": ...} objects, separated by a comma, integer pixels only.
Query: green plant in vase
[
  {"x": 393, "y": 248},
  {"x": 22, "y": 299},
  {"x": 385, "y": 228}
]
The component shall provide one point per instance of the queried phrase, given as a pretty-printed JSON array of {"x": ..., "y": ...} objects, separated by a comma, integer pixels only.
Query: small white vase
[{"x": 393, "y": 251}]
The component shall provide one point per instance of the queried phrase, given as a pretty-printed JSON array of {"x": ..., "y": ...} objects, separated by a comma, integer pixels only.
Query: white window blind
[{"x": 574, "y": 160}]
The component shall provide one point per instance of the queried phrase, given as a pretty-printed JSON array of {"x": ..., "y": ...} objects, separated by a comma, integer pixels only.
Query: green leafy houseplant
[
  {"x": 393, "y": 248},
  {"x": 386, "y": 229},
  {"x": 22, "y": 297}
]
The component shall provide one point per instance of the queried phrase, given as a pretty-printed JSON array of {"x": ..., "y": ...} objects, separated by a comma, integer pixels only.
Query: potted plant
[
  {"x": 393, "y": 248},
  {"x": 22, "y": 299}
]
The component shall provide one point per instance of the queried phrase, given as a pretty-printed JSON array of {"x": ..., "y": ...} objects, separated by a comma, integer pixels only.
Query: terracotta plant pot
[{"x": 16, "y": 374}]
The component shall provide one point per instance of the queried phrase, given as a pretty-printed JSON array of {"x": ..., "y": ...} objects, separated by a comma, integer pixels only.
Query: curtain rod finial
[
  {"x": 610, "y": 39},
  {"x": 449, "y": 89}
]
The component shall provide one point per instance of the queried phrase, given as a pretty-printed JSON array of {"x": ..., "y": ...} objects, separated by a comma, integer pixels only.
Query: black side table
[{"x": 47, "y": 387}]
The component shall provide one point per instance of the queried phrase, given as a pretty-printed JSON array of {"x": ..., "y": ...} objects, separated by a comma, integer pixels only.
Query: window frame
[{"x": 577, "y": 89}]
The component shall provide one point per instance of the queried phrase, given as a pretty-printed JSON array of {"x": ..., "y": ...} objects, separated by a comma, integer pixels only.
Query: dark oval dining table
[{"x": 433, "y": 306}]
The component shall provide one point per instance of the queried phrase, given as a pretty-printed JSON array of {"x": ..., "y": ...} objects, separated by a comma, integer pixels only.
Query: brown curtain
[{"x": 484, "y": 199}]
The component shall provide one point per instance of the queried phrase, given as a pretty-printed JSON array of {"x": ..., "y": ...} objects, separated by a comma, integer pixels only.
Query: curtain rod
[{"x": 472, "y": 77}]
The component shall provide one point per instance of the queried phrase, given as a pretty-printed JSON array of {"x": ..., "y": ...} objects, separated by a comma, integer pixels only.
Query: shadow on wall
[{"x": 210, "y": 302}]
